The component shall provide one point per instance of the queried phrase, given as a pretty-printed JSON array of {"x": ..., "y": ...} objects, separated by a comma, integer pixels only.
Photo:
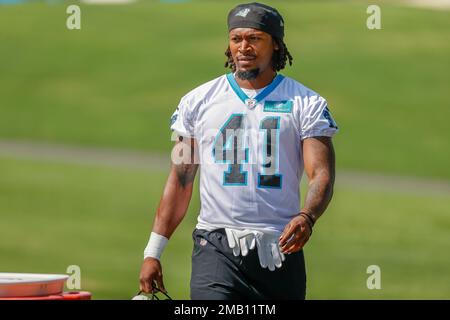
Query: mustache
[{"x": 245, "y": 57}]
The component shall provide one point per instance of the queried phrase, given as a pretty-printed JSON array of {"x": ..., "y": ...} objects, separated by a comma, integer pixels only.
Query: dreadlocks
[{"x": 279, "y": 58}]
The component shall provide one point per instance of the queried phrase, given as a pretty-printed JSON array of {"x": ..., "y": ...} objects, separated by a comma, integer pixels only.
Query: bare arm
[
  {"x": 172, "y": 207},
  {"x": 177, "y": 192},
  {"x": 319, "y": 160}
]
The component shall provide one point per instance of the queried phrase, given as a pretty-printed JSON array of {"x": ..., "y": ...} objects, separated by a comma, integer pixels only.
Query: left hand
[{"x": 295, "y": 235}]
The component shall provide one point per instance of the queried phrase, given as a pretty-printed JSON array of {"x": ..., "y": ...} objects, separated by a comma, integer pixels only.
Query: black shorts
[{"x": 218, "y": 275}]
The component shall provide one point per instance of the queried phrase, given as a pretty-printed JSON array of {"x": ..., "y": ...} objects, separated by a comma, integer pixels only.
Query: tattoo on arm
[
  {"x": 322, "y": 174},
  {"x": 186, "y": 173}
]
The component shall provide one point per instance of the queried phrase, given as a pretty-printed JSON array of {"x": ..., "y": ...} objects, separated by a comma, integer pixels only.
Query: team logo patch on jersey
[{"x": 278, "y": 106}]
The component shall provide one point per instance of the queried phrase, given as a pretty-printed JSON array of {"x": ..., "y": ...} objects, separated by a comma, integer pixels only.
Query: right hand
[{"x": 151, "y": 272}]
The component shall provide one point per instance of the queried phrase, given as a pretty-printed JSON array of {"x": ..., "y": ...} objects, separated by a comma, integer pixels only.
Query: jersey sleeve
[
  {"x": 182, "y": 120},
  {"x": 316, "y": 120}
]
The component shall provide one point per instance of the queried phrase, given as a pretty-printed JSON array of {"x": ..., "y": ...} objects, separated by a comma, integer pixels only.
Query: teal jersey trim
[{"x": 241, "y": 94}]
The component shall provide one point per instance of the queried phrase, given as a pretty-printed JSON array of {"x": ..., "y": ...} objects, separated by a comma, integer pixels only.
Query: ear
[{"x": 276, "y": 47}]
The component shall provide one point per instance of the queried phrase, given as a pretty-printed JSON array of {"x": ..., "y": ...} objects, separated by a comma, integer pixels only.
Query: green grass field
[
  {"x": 55, "y": 215},
  {"x": 115, "y": 83}
]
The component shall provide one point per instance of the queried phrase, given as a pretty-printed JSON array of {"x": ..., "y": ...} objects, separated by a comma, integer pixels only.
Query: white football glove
[
  {"x": 241, "y": 241},
  {"x": 270, "y": 255}
]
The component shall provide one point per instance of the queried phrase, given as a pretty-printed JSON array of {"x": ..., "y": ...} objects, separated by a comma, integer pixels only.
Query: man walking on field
[{"x": 254, "y": 132}]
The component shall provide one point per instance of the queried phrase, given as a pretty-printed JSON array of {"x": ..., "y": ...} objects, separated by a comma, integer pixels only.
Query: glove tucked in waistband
[{"x": 269, "y": 252}]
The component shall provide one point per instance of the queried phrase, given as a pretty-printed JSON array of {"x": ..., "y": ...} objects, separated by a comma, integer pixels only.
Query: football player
[{"x": 253, "y": 132}]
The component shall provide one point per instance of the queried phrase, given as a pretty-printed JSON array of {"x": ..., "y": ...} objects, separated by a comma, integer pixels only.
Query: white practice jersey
[{"x": 250, "y": 151}]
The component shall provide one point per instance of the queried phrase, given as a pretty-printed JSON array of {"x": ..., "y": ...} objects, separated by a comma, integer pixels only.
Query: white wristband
[{"x": 155, "y": 246}]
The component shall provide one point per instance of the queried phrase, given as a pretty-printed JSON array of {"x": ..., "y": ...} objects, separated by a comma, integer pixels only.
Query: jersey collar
[{"x": 244, "y": 98}]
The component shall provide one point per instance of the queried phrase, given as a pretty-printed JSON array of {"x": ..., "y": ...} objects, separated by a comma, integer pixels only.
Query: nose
[{"x": 244, "y": 47}]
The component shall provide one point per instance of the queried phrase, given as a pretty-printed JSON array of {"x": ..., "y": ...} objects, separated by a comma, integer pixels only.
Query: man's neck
[{"x": 261, "y": 81}]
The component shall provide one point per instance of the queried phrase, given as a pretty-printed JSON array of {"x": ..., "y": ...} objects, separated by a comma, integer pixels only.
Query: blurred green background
[{"x": 114, "y": 84}]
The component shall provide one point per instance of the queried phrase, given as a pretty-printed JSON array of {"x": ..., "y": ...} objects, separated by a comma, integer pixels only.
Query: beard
[{"x": 248, "y": 75}]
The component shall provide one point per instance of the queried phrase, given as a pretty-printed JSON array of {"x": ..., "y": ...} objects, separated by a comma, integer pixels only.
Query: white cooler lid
[{"x": 31, "y": 284}]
